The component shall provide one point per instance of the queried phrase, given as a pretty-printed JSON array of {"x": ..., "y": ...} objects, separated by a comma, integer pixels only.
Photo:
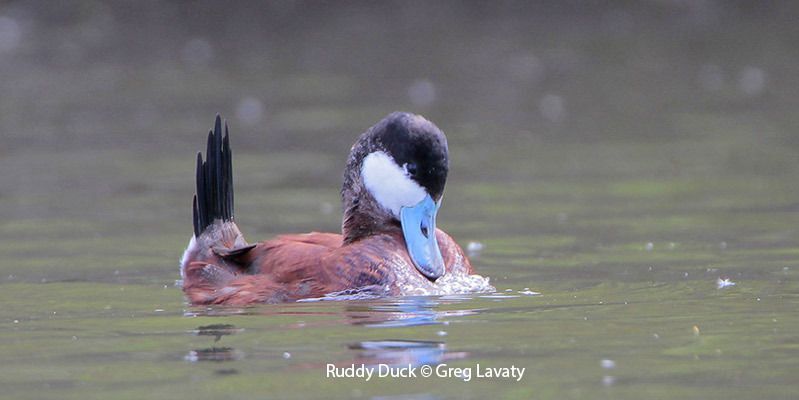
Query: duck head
[{"x": 394, "y": 180}]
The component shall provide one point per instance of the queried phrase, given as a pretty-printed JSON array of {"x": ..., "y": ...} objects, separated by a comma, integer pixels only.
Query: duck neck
[{"x": 363, "y": 217}]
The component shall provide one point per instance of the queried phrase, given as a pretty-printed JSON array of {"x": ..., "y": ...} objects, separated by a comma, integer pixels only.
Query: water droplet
[
  {"x": 10, "y": 34},
  {"x": 249, "y": 111},
  {"x": 192, "y": 356},
  {"x": 197, "y": 53},
  {"x": 474, "y": 249},
  {"x": 607, "y": 363},
  {"x": 552, "y": 108},
  {"x": 526, "y": 68},
  {"x": 422, "y": 93},
  {"x": 752, "y": 81},
  {"x": 617, "y": 22},
  {"x": 723, "y": 283},
  {"x": 711, "y": 78},
  {"x": 326, "y": 208}
]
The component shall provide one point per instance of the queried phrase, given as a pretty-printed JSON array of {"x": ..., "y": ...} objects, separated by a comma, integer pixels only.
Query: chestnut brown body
[{"x": 312, "y": 265}]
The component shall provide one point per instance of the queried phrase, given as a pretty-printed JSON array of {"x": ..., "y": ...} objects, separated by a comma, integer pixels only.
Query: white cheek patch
[{"x": 389, "y": 183}]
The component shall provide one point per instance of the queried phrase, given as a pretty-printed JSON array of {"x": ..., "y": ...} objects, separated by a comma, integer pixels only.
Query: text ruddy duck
[{"x": 389, "y": 245}]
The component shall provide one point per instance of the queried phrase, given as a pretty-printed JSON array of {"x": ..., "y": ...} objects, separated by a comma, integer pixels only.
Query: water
[{"x": 617, "y": 160}]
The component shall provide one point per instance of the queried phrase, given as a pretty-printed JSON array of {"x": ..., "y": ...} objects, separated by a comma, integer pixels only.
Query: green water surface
[{"x": 616, "y": 160}]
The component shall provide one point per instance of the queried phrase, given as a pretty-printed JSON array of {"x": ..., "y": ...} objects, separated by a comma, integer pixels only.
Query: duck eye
[{"x": 411, "y": 168}]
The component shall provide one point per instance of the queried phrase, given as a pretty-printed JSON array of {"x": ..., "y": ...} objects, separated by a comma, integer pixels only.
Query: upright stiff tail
[{"x": 214, "y": 198}]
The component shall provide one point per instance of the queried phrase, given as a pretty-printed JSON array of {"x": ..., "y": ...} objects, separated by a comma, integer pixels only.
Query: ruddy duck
[{"x": 389, "y": 244}]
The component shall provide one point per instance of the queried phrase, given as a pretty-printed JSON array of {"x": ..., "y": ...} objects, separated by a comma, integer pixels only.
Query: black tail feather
[{"x": 214, "y": 198}]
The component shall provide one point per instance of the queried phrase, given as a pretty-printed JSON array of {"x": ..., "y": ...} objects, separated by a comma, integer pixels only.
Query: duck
[{"x": 389, "y": 244}]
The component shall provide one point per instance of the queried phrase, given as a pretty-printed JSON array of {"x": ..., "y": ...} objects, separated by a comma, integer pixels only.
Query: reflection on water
[
  {"x": 404, "y": 312},
  {"x": 376, "y": 313},
  {"x": 402, "y": 352},
  {"x": 216, "y": 330},
  {"x": 359, "y": 293},
  {"x": 215, "y": 354}
]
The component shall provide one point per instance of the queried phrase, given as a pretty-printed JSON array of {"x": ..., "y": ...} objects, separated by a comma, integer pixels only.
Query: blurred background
[
  {"x": 138, "y": 74},
  {"x": 104, "y": 104},
  {"x": 134, "y": 81}
]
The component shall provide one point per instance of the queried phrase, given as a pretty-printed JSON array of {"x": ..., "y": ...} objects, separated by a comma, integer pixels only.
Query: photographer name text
[{"x": 367, "y": 372}]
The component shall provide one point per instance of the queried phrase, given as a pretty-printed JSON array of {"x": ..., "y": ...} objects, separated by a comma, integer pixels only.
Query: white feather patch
[
  {"x": 186, "y": 254},
  {"x": 389, "y": 183}
]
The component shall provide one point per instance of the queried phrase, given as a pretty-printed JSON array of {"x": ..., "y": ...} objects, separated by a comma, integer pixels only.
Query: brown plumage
[{"x": 370, "y": 258}]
